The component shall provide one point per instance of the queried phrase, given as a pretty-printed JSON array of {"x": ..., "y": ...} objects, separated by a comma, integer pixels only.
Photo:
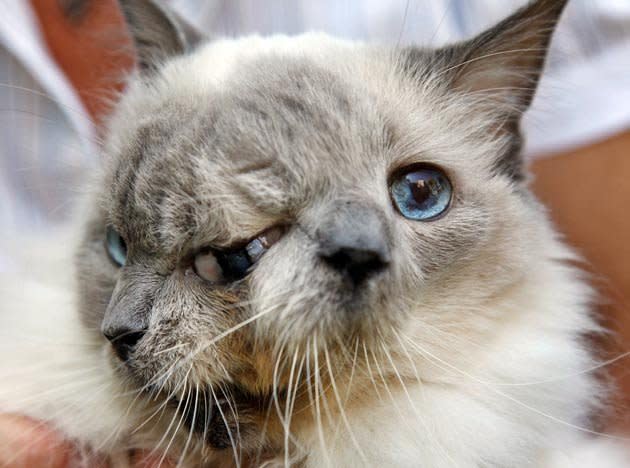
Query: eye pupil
[
  {"x": 421, "y": 192},
  {"x": 235, "y": 264},
  {"x": 116, "y": 246}
]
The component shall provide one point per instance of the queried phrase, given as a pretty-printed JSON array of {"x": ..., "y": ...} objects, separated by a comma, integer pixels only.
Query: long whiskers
[
  {"x": 228, "y": 429},
  {"x": 342, "y": 411},
  {"x": 440, "y": 363}
]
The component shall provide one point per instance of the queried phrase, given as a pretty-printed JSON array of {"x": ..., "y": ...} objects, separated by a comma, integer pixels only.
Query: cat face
[{"x": 271, "y": 202}]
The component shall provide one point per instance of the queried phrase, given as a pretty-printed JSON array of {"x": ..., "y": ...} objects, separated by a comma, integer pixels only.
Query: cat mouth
[{"x": 224, "y": 416}]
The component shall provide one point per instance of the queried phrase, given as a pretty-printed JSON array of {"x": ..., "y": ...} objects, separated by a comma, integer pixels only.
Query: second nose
[
  {"x": 123, "y": 341},
  {"x": 354, "y": 241}
]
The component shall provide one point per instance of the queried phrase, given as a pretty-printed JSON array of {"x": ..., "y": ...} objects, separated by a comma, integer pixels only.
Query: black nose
[
  {"x": 356, "y": 264},
  {"x": 124, "y": 340}
]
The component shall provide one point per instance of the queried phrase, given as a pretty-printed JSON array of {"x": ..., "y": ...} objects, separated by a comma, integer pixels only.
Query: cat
[{"x": 306, "y": 251}]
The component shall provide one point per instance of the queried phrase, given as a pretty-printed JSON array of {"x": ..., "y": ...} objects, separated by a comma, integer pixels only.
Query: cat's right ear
[{"x": 158, "y": 34}]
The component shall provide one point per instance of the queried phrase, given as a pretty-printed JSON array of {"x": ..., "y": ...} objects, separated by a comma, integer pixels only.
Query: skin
[
  {"x": 29, "y": 443},
  {"x": 601, "y": 237},
  {"x": 99, "y": 71},
  {"x": 26, "y": 443}
]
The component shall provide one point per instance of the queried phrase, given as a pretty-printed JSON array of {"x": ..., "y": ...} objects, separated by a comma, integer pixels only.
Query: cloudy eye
[
  {"x": 207, "y": 267},
  {"x": 421, "y": 192},
  {"x": 218, "y": 266},
  {"x": 116, "y": 247}
]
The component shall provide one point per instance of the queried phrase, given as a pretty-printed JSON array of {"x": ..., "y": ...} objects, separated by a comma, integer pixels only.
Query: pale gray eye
[
  {"x": 208, "y": 268},
  {"x": 115, "y": 246}
]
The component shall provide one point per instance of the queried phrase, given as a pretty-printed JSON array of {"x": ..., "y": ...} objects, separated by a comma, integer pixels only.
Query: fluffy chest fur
[{"x": 265, "y": 274}]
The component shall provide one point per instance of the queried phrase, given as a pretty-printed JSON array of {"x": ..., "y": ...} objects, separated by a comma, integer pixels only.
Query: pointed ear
[
  {"x": 158, "y": 34},
  {"x": 505, "y": 62},
  {"x": 498, "y": 71}
]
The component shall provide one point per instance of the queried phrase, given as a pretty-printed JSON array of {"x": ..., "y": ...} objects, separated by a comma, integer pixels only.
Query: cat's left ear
[
  {"x": 158, "y": 34},
  {"x": 501, "y": 68},
  {"x": 507, "y": 59}
]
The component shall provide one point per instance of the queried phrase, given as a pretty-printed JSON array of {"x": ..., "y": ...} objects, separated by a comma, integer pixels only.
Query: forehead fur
[{"x": 288, "y": 120}]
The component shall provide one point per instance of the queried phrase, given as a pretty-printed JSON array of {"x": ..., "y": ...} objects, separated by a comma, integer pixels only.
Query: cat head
[{"x": 269, "y": 204}]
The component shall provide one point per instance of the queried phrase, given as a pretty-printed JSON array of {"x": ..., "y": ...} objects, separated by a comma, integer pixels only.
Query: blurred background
[{"x": 62, "y": 63}]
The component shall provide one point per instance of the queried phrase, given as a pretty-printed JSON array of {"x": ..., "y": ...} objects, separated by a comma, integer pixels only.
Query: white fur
[
  {"x": 521, "y": 389},
  {"x": 53, "y": 369},
  {"x": 511, "y": 389}
]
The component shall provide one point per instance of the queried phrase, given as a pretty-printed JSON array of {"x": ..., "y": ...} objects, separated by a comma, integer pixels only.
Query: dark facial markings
[{"x": 214, "y": 418}]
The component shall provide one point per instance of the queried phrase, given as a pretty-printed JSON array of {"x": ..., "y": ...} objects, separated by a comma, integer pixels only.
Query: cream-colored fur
[{"x": 488, "y": 401}]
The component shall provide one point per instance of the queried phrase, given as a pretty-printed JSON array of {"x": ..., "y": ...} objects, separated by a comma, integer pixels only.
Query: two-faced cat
[{"x": 314, "y": 252}]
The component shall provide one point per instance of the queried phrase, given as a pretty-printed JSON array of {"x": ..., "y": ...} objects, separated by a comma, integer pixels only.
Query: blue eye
[
  {"x": 116, "y": 247},
  {"x": 421, "y": 192}
]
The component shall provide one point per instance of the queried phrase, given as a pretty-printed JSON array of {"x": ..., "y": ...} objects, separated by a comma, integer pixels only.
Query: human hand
[{"x": 25, "y": 443}]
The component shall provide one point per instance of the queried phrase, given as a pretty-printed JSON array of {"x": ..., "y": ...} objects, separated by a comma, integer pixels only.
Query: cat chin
[{"x": 59, "y": 371}]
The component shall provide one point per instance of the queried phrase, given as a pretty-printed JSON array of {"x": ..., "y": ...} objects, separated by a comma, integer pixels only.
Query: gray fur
[{"x": 308, "y": 143}]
